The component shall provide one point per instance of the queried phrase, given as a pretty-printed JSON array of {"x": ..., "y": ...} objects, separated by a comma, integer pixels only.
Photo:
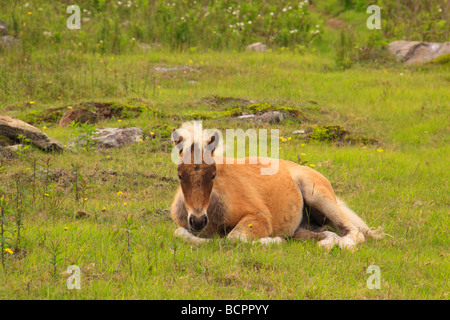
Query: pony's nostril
[{"x": 198, "y": 223}]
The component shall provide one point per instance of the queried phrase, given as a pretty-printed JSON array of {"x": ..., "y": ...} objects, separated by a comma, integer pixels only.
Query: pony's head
[{"x": 196, "y": 172}]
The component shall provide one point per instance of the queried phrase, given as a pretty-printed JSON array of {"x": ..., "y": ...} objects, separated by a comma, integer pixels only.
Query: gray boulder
[
  {"x": 110, "y": 138},
  {"x": 417, "y": 51},
  {"x": 12, "y": 129}
]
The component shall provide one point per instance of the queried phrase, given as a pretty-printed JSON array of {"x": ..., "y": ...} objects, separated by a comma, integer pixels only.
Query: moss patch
[{"x": 336, "y": 133}]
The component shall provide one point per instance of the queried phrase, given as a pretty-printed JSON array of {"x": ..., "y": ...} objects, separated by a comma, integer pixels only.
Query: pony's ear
[
  {"x": 177, "y": 141},
  {"x": 213, "y": 142}
]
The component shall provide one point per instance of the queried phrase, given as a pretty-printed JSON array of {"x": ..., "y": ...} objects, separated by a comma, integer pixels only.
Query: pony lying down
[{"x": 237, "y": 201}]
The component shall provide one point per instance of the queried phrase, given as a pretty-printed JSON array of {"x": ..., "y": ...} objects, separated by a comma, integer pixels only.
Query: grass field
[{"x": 124, "y": 243}]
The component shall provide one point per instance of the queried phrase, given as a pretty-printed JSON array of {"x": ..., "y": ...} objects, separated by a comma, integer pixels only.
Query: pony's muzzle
[{"x": 197, "y": 223}]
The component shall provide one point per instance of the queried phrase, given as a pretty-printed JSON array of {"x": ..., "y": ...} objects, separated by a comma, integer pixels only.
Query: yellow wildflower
[
  {"x": 44, "y": 128},
  {"x": 312, "y": 165},
  {"x": 379, "y": 150},
  {"x": 69, "y": 107},
  {"x": 30, "y": 13},
  {"x": 119, "y": 193},
  {"x": 66, "y": 228},
  {"x": 8, "y": 250},
  {"x": 31, "y": 102}
]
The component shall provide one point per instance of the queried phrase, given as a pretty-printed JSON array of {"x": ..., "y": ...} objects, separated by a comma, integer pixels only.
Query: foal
[{"x": 236, "y": 201}]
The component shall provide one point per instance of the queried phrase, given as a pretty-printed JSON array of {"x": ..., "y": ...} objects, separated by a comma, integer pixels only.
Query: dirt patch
[
  {"x": 103, "y": 111},
  {"x": 219, "y": 101}
]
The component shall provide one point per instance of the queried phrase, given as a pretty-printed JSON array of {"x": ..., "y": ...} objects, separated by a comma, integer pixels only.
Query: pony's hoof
[{"x": 269, "y": 240}]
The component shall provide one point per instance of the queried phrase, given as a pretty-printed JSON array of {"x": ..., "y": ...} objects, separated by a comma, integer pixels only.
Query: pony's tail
[{"x": 368, "y": 232}]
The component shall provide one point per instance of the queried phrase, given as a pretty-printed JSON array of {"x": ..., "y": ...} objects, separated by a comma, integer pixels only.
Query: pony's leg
[
  {"x": 254, "y": 227},
  {"x": 327, "y": 239},
  {"x": 324, "y": 200},
  {"x": 189, "y": 237}
]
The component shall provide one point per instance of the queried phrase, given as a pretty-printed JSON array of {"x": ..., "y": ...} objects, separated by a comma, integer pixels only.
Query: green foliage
[
  {"x": 118, "y": 26},
  {"x": 421, "y": 20}
]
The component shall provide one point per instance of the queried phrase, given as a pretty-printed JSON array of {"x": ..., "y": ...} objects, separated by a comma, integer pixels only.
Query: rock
[
  {"x": 12, "y": 128},
  {"x": 257, "y": 47},
  {"x": 175, "y": 69},
  {"x": 78, "y": 115},
  {"x": 416, "y": 51},
  {"x": 268, "y": 117},
  {"x": 111, "y": 138},
  {"x": 299, "y": 132},
  {"x": 3, "y": 28},
  {"x": 7, "y": 153},
  {"x": 9, "y": 42}
]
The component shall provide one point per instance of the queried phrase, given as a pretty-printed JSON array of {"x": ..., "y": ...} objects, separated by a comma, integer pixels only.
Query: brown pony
[{"x": 236, "y": 201}]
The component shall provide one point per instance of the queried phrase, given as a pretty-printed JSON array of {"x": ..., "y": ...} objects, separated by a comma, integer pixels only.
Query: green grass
[
  {"x": 400, "y": 184},
  {"x": 402, "y": 188}
]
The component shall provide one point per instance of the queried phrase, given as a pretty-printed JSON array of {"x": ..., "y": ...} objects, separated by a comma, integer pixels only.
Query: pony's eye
[
  {"x": 179, "y": 177},
  {"x": 214, "y": 175}
]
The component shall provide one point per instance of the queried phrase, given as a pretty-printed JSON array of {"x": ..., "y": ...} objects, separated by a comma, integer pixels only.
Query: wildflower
[
  {"x": 312, "y": 165},
  {"x": 364, "y": 147},
  {"x": 8, "y": 250},
  {"x": 66, "y": 228},
  {"x": 112, "y": 58},
  {"x": 31, "y": 102},
  {"x": 120, "y": 120},
  {"x": 44, "y": 128},
  {"x": 250, "y": 225},
  {"x": 46, "y": 194},
  {"x": 65, "y": 146},
  {"x": 50, "y": 82},
  {"x": 119, "y": 193},
  {"x": 303, "y": 154},
  {"x": 190, "y": 61},
  {"x": 140, "y": 140},
  {"x": 124, "y": 203},
  {"x": 30, "y": 13},
  {"x": 302, "y": 145},
  {"x": 85, "y": 199},
  {"x": 289, "y": 138},
  {"x": 159, "y": 87},
  {"x": 379, "y": 150},
  {"x": 104, "y": 209},
  {"x": 152, "y": 133},
  {"x": 69, "y": 107}
]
